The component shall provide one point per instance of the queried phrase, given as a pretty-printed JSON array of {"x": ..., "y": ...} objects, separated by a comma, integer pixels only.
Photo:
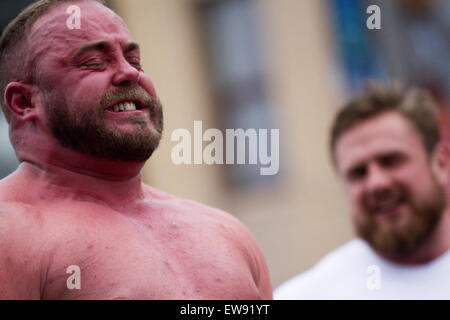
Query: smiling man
[
  {"x": 83, "y": 119},
  {"x": 387, "y": 152}
]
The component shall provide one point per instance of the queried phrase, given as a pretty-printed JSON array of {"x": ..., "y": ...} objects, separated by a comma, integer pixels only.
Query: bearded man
[
  {"x": 387, "y": 152},
  {"x": 76, "y": 221}
]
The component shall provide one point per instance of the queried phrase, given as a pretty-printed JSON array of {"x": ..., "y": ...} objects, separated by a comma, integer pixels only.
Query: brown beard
[
  {"x": 403, "y": 240},
  {"x": 87, "y": 131}
]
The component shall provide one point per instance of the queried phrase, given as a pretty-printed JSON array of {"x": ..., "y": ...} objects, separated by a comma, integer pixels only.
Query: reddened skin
[{"x": 18, "y": 99}]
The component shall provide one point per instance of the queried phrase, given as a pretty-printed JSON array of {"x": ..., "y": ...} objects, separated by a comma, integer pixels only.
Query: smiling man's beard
[
  {"x": 85, "y": 129},
  {"x": 426, "y": 213}
]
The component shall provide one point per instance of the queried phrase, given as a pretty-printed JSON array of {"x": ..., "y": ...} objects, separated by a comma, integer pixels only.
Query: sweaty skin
[{"x": 62, "y": 207}]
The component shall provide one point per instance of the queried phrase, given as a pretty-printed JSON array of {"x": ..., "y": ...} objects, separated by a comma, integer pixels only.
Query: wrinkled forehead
[{"x": 69, "y": 25}]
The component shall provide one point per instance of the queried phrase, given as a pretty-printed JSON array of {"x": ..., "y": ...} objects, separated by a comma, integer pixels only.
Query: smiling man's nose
[
  {"x": 378, "y": 179},
  {"x": 125, "y": 75}
]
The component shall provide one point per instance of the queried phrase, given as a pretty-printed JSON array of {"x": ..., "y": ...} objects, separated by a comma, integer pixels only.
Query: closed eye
[
  {"x": 93, "y": 63},
  {"x": 135, "y": 63}
]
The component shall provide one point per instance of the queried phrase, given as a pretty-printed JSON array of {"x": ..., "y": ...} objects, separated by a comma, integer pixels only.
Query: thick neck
[
  {"x": 63, "y": 172},
  {"x": 57, "y": 183},
  {"x": 44, "y": 151}
]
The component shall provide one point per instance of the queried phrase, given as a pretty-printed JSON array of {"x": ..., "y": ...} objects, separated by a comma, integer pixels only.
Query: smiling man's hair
[
  {"x": 415, "y": 104},
  {"x": 15, "y": 58}
]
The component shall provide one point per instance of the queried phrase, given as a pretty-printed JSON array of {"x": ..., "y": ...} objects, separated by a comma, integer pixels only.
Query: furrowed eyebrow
[
  {"x": 98, "y": 45},
  {"x": 103, "y": 46},
  {"x": 132, "y": 46}
]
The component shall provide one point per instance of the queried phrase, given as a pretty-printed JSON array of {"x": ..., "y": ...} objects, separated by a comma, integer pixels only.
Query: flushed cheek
[
  {"x": 89, "y": 96},
  {"x": 86, "y": 89},
  {"x": 145, "y": 82},
  {"x": 91, "y": 79}
]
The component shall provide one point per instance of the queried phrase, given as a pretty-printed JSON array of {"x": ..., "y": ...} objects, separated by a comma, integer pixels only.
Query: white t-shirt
[{"x": 354, "y": 271}]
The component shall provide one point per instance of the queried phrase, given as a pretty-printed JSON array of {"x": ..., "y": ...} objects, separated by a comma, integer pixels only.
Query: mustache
[
  {"x": 134, "y": 92},
  {"x": 371, "y": 200}
]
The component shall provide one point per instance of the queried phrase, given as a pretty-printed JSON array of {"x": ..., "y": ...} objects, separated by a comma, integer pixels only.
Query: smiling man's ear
[
  {"x": 440, "y": 163},
  {"x": 18, "y": 100}
]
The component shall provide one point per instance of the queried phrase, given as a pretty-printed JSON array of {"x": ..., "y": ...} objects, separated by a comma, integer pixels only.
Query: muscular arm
[
  {"x": 263, "y": 280},
  {"x": 239, "y": 237},
  {"x": 244, "y": 240},
  {"x": 18, "y": 276},
  {"x": 259, "y": 266}
]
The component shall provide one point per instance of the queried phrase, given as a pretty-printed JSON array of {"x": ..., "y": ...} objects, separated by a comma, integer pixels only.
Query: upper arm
[
  {"x": 18, "y": 279},
  {"x": 257, "y": 262},
  {"x": 242, "y": 240},
  {"x": 260, "y": 269}
]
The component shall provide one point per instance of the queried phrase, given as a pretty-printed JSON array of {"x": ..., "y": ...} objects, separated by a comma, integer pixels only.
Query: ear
[
  {"x": 440, "y": 163},
  {"x": 18, "y": 100}
]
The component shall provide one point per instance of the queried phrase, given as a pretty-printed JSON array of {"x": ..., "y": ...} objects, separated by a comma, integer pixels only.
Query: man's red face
[
  {"x": 396, "y": 199},
  {"x": 95, "y": 95}
]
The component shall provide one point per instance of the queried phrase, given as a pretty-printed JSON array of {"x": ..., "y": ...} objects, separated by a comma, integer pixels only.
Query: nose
[
  {"x": 125, "y": 74},
  {"x": 378, "y": 181}
]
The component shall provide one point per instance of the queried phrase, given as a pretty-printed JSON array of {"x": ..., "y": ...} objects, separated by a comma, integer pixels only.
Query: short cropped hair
[
  {"x": 14, "y": 52},
  {"x": 415, "y": 104}
]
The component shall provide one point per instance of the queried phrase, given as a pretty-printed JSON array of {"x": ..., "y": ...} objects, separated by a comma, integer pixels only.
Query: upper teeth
[{"x": 126, "y": 106}]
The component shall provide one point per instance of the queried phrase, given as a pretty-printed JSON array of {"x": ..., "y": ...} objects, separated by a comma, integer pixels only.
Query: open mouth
[{"x": 125, "y": 106}]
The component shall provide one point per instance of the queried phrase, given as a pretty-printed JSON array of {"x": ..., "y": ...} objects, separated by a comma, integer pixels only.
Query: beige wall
[{"x": 304, "y": 215}]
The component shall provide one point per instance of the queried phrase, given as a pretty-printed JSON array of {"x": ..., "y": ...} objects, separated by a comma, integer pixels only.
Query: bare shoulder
[
  {"x": 153, "y": 192},
  {"x": 224, "y": 225},
  {"x": 19, "y": 223},
  {"x": 201, "y": 212},
  {"x": 14, "y": 214},
  {"x": 19, "y": 268},
  {"x": 236, "y": 232}
]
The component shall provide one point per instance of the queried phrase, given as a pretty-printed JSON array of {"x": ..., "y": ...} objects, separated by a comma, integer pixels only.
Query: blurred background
[{"x": 285, "y": 64}]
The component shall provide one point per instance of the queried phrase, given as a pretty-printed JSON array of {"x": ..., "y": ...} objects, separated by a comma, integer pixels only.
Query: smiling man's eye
[
  {"x": 391, "y": 160},
  {"x": 357, "y": 173}
]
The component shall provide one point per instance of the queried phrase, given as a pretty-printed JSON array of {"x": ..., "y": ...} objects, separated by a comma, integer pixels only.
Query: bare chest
[{"x": 150, "y": 258}]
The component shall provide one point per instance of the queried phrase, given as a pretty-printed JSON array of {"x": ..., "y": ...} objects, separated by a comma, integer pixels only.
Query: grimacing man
[
  {"x": 387, "y": 152},
  {"x": 83, "y": 119}
]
